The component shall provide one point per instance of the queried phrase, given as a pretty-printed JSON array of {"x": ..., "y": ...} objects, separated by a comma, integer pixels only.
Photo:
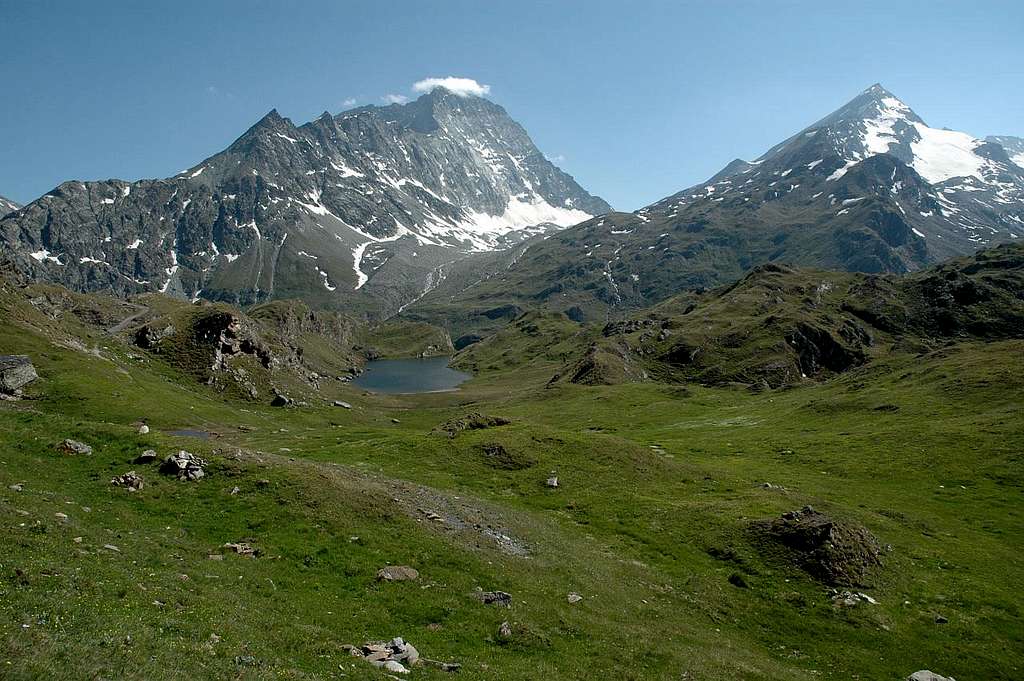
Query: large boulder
[
  {"x": 74, "y": 447},
  {"x": 397, "y": 573},
  {"x": 926, "y": 675},
  {"x": 16, "y": 371}
]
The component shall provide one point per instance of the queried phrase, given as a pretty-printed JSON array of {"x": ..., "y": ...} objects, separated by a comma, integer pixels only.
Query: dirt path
[
  {"x": 141, "y": 310},
  {"x": 475, "y": 522}
]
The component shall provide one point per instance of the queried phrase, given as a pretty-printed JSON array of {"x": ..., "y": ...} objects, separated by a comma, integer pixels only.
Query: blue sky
[{"x": 635, "y": 99}]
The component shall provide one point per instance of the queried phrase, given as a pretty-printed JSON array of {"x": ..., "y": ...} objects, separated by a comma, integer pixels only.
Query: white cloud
[
  {"x": 215, "y": 91},
  {"x": 351, "y": 101},
  {"x": 557, "y": 158},
  {"x": 462, "y": 87},
  {"x": 395, "y": 99}
]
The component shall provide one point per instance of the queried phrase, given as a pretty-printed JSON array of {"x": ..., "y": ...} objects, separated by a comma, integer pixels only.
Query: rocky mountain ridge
[{"x": 361, "y": 210}]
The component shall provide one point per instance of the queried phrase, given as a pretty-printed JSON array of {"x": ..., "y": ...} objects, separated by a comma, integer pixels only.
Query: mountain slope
[
  {"x": 360, "y": 210},
  {"x": 869, "y": 188}
]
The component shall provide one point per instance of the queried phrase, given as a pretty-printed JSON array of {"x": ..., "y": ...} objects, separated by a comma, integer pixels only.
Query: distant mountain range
[
  {"x": 445, "y": 209},
  {"x": 359, "y": 210},
  {"x": 869, "y": 188}
]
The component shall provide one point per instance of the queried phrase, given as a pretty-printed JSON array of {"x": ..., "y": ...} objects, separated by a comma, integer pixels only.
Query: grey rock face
[
  {"x": 834, "y": 551},
  {"x": 16, "y": 371},
  {"x": 348, "y": 209},
  {"x": 1014, "y": 146}
]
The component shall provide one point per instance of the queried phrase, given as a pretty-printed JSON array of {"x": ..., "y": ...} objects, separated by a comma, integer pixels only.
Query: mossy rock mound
[
  {"x": 836, "y": 552},
  {"x": 471, "y": 421}
]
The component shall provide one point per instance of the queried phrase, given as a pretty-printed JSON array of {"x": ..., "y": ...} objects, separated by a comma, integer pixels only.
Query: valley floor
[{"x": 650, "y": 524}]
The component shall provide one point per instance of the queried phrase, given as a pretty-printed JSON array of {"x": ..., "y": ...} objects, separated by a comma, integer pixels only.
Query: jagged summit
[{"x": 873, "y": 102}]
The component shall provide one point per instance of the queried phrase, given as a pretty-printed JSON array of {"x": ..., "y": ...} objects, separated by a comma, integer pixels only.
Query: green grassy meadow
[{"x": 650, "y": 523}]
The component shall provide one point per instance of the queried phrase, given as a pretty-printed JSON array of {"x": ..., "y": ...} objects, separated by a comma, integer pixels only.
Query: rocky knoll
[{"x": 837, "y": 552}]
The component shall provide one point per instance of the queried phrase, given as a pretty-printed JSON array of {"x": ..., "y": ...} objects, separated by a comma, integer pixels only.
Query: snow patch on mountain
[
  {"x": 880, "y": 132},
  {"x": 482, "y": 230},
  {"x": 943, "y": 154}
]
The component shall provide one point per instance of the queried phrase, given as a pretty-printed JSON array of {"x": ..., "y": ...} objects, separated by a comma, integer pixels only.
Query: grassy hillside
[
  {"x": 779, "y": 326},
  {"x": 659, "y": 487}
]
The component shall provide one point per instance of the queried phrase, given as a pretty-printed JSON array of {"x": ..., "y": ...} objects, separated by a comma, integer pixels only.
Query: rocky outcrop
[
  {"x": 836, "y": 552},
  {"x": 185, "y": 466},
  {"x": 472, "y": 421},
  {"x": 397, "y": 656},
  {"x": 601, "y": 365},
  {"x": 818, "y": 350},
  {"x": 498, "y": 598},
  {"x": 231, "y": 336},
  {"x": 149, "y": 338},
  {"x": 131, "y": 481},
  {"x": 209, "y": 343}
]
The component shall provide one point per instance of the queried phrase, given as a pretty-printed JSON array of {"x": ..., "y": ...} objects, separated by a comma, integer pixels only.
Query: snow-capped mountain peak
[
  {"x": 874, "y": 164},
  {"x": 877, "y": 122}
]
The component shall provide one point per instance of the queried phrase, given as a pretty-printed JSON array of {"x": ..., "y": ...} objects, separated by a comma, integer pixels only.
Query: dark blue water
[{"x": 410, "y": 376}]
